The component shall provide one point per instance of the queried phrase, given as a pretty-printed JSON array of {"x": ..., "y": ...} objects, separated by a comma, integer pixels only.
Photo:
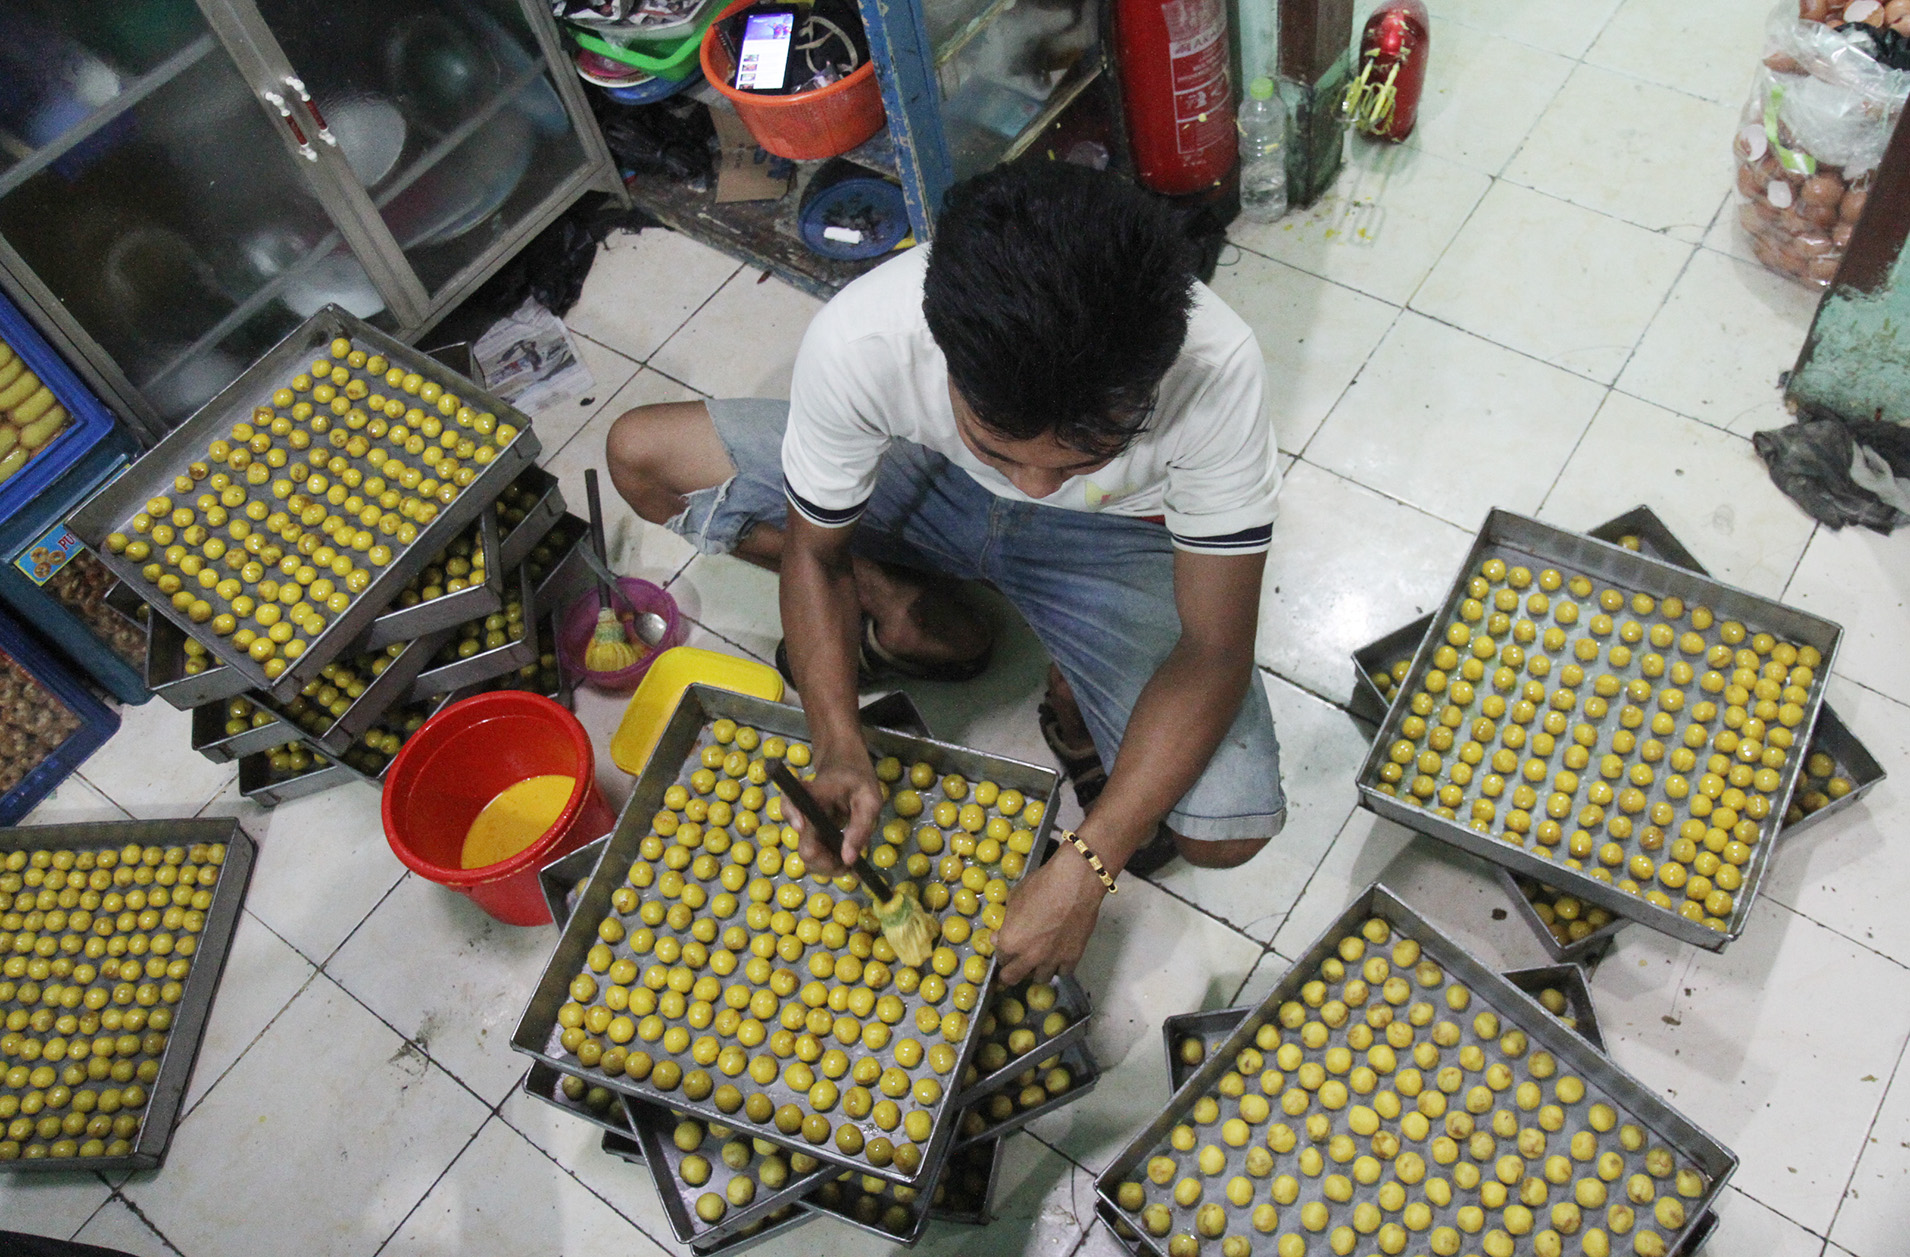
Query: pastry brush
[{"x": 904, "y": 923}]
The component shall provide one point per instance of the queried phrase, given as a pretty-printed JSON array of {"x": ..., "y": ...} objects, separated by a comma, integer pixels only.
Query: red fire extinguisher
[
  {"x": 1383, "y": 99},
  {"x": 1180, "y": 102}
]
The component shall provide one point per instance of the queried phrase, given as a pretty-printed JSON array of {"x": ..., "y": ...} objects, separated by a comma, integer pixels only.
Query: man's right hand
[{"x": 846, "y": 788}]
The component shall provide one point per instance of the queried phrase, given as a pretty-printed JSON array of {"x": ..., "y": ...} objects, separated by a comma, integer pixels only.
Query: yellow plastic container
[{"x": 656, "y": 699}]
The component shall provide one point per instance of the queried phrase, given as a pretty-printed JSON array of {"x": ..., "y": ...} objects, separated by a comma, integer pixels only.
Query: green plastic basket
[{"x": 667, "y": 58}]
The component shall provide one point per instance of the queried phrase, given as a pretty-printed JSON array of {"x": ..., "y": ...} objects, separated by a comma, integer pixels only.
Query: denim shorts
[{"x": 1098, "y": 590}]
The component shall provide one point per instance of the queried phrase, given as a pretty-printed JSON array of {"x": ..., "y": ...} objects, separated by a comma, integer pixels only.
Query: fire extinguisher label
[{"x": 1197, "y": 51}]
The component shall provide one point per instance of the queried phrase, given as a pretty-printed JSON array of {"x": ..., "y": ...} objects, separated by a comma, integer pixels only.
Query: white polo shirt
[{"x": 869, "y": 373}]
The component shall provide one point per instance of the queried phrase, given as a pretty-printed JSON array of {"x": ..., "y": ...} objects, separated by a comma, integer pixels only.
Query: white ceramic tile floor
[
  {"x": 1524, "y": 306},
  {"x": 1646, "y": 154}
]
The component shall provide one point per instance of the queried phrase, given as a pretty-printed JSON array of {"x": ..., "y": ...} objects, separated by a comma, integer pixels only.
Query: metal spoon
[{"x": 651, "y": 627}]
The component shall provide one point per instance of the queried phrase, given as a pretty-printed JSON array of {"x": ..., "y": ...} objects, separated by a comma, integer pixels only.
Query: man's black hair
[{"x": 1060, "y": 297}]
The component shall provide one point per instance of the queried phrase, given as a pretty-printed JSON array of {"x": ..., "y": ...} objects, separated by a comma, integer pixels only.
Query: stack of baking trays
[
  {"x": 112, "y": 939},
  {"x": 1393, "y": 1095},
  {"x": 1625, "y": 737},
  {"x": 743, "y": 1028},
  {"x": 346, "y": 538}
]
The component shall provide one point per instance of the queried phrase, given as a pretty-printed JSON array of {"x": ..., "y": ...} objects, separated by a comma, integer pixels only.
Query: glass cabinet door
[
  {"x": 445, "y": 111},
  {"x": 1002, "y": 64},
  {"x": 146, "y": 189}
]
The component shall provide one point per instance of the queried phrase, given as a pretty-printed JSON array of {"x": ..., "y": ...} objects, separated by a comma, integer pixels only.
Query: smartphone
[{"x": 762, "y": 64}]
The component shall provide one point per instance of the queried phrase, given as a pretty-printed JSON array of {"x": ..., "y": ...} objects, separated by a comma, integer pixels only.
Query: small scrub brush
[
  {"x": 610, "y": 648},
  {"x": 910, "y": 930}
]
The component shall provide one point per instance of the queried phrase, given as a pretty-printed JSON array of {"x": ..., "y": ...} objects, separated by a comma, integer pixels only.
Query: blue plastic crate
[
  {"x": 91, "y": 421},
  {"x": 98, "y": 722}
]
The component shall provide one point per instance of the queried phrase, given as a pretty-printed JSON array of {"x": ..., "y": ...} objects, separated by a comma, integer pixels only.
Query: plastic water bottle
[{"x": 1263, "y": 157}]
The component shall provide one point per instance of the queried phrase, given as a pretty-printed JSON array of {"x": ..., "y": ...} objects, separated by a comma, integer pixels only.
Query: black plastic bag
[
  {"x": 674, "y": 138},
  {"x": 552, "y": 268},
  {"x": 1812, "y": 461}
]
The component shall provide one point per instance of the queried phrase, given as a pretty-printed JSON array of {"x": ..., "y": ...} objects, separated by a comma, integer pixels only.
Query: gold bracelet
[{"x": 1094, "y": 861}]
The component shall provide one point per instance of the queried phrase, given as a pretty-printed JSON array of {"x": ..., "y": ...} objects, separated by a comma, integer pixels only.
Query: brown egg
[
  {"x": 1840, "y": 234},
  {"x": 1853, "y": 204},
  {"x": 1823, "y": 189}
]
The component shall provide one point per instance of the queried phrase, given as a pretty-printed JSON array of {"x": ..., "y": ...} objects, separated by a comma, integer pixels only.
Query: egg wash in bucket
[{"x": 516, "y": 818}]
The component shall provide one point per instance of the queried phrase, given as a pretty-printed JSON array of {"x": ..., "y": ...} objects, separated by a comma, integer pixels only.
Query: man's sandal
[
  {"x": 1082, "y": 766},
  {"x": 875, "y": 664}
]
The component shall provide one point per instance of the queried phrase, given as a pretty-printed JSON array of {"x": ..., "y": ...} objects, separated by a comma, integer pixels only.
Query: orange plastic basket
[{"x": 808, "y": 126}]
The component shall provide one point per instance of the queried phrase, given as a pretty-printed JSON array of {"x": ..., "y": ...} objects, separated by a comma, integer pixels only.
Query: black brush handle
[
  {"x": 826, "y": 829},
  {"x": 597, "y": 531}
]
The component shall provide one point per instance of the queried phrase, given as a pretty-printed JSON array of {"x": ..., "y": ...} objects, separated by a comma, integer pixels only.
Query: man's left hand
[{"x": 1049, "y": 920}]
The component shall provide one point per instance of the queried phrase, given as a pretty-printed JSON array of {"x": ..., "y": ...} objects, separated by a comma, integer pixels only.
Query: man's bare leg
[
  {"x": 1223, "y": 854},
  {"x": 658, "y": 455}
]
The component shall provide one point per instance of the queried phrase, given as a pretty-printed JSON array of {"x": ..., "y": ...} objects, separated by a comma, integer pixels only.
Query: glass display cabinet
[{"x": 183, "y": 182}]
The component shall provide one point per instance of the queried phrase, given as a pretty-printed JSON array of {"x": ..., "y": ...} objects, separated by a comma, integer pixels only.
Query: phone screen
[{"x": 765, "y": 59}]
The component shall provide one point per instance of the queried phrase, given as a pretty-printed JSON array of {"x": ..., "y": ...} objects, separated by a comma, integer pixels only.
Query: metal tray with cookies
[
  {"x": 485, "y": 649},
  {"x": 1375, "y": 664},
  {"x": 268, "y": 784},
  {"x": 184, "y": 882},
  {"x": 1024, "y": 1026},
  {"x": 1576, "y": 939},
  {"x": 966, "y": 1192},
  {"x": 1409, "y": 1094},
  {"x": 1005, "y": 1112},
  {"x": 184, "y": 680},
  {"x": 700, "y": 894},
  {"x": 599, "y": 1106},
  {"x": 1640, "y": 814},
  {"x": 1838, "y": 771},
  {"x": 526, "y": 512},
  {"x": 429, "y": 604},
  {"x": 714, "y": 1179},
  {"x": 236, "y": 727},
  {"x": 1190, "y": 1038},
  {"x": 1562, "y": 991},
  {"x": 352, "y": 694},
  {"x": 171, "y": 515}
]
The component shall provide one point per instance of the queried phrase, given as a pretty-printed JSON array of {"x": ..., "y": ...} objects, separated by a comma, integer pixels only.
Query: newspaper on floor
[{"x": 529, "y": 360}]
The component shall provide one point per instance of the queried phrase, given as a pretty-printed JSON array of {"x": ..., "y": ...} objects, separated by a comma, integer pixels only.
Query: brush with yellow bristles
[
  {"x": 910, "y": 930},
  {"x": 610, "y": 648}
]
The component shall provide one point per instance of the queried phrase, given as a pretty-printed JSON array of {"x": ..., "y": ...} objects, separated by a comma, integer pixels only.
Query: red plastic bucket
[
  {"x": 464, "y": 757},
  {"x": 808, "y": 126}
]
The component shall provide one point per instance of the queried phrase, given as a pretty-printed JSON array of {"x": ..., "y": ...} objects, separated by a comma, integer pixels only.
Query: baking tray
[
  {"x": 485, "y": 665},
  {"x": 1580, "y": 951},
  {"x": 166, "y": 673},
  {"x": 888, "y": 1211},
  {"x": 259, "y": 783},
  {"x": 1569, "y": 981},
  {"x": 402, "y": 624},
  {"x": 655, "y": 1128},
  {"x": 1086, "y": 1074},
  {"x": 1215, "y": 1027},
  {"x": 1071, "y": 1000},
  {"x": 382, "y": 693},
  {"x": 787, "y": 1218},
  {"x": 210, "y": 739},
  {"x": 622, "y": 1147},
  {"x": 1603, "y": 1082},
  {"x": 565, "y": 576},
  {"x": 546, "y": 1084},
  {"x": 1528, "y": 542},
  {"x": 1696, "y": 1235},
  {"x": 422, "y": 709},
  {"x": 1641, "y": 523},
  {"x": 543, "y": 506},
  {"x": 1653, "y": 537},
  {"x": 562, "y": 880},
  {"x": 153, "y": 475},
  {"x": 966, "y": 1193},
  {"x": 167, "y": 1091},
  {"x": 536, "y": 1032},
  {"x": 1855, "y": 764}
]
